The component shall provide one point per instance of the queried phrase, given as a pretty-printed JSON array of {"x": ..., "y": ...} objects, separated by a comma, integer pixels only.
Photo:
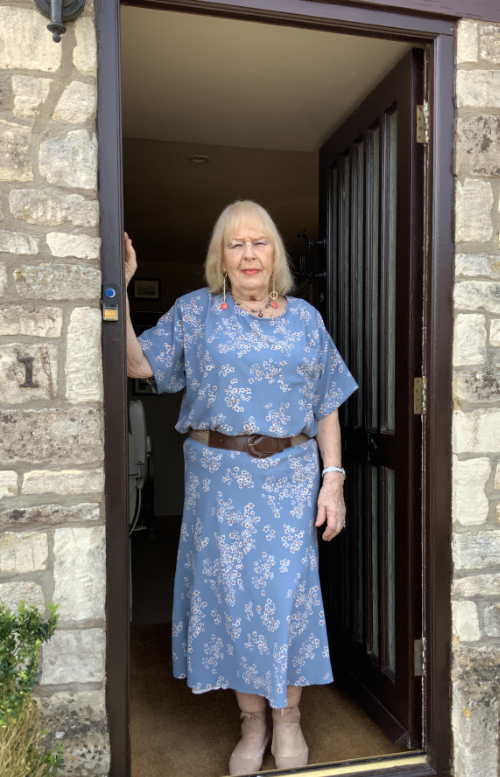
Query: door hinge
[
  {"x": 423, "y": 123},
  {"x": 420, "y": 396},
  {"x": 419, "y": 664}
]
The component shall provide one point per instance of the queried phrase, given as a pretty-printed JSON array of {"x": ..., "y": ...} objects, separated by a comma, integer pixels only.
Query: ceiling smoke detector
[{"x": 199, "y": 159}]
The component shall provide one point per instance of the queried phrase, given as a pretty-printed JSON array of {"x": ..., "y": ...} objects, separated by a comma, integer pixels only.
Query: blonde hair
[{"x": 227, "y": 226}]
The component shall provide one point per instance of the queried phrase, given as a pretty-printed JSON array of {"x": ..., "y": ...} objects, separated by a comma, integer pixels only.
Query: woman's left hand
[{"x": 331, "y": 506}]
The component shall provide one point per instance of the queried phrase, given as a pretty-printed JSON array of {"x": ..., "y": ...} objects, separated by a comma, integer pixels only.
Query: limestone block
[
  {"x": 61, "y": 436},
  {"x": 80, "y": 572},
  {"x": 495, "y": 332},
  {"x": 477, "y": 585},
  {"x": 8, "y": 483},
  {"x": 497, "y": 477},
  {"x": 70, "y": 161},
  {"x": 492, "y": 620},
  {"x": 467, "y": 41},
  {"x": 490, "y": 43},
  {"x": 476, "y": 551},
  {"x": 469, "y": 346},
  {"x": 17, "y": 243},
  {"x": 477, "y": 265},
  {"x": 29, "y": 94},
  {"x": 470, "y": 504},
  {"x": 66, "y": 481},
  {"x": 13, "y": 372},
  {"x": 474, "y": 295},
  {"x": 50, "y": 207},
  {"x": 465, "y": 621},
  {"x": 478, "y": 384},
  {"x": 3, "y": 279},
  {"x": 23, "y": 41},
  {"x": 34, "y": 322},
  {"x": 15, "y": 141},
  {"x": 85, "y": 52},
  {"x": 58, "y": 281},
  {"x": 77, "y": 720},
  {"x": 74, "y": 656},
  {"x": 478, "y": 89},
  {"x": 13, "y": 593},
  {"x": 476, "y": 432},
  {"x": 52, "y": 515},
  {"x": 474, "y": 200},
  {"x": 478, "y": 145},
  {"x": 79, "y": 246},
  {"x": 77, "y": 103},
  {"x": 83, "y": 356},
  {"x": 20, "y": 553},
  {"x": 475, "y": 735}
]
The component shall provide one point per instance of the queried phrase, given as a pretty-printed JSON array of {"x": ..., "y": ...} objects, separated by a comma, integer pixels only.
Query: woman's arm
[
  {"x": 331, "y": 506},
  {"x": 137, "y": 364}
]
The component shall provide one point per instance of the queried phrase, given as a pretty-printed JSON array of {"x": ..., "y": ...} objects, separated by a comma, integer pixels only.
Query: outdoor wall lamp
[{"x": 60, "y": 11}]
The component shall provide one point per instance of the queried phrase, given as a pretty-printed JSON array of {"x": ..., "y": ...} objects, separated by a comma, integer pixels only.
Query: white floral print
[{"x": 248, "y": 612}]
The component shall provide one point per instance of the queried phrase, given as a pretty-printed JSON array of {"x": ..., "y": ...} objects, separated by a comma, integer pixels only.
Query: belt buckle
[{"x": 251, "y": 446}]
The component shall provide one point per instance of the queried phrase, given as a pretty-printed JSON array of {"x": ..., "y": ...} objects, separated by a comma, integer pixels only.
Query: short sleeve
[
  {"x": 335, "y": 383},
  {"x": 163, "y": 346}
]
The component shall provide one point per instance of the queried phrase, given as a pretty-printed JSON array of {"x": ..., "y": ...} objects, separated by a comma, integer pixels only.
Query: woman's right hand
[{"x": 130, "y": 259}]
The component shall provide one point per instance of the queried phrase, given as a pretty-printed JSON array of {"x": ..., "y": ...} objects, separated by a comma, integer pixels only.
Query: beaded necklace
[{"x": 258, "y": 312}]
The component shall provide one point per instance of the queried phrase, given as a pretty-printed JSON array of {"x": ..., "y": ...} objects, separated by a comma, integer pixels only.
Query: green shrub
[{"x": 21, "y": 750}]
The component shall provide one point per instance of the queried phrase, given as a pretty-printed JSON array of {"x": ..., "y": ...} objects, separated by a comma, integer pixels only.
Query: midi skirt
[{"x": 248, "y": 612}]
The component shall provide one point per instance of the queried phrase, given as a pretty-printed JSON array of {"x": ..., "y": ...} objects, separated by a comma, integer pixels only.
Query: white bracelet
[{"x": 334, "y": 469}]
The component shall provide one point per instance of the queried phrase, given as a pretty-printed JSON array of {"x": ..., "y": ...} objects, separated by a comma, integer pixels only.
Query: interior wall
[{"x": 171, "y": 205}]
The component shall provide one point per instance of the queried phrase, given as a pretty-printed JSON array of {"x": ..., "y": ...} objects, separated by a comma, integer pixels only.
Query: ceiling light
[{"x": 199, "y": 159}]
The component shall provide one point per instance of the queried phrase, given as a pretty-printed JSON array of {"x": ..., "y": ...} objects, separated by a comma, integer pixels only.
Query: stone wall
[
  {"x": 476, "y": 384},
  {"x": 52, "y": 536},
  {"x": 51, "y": 446}
]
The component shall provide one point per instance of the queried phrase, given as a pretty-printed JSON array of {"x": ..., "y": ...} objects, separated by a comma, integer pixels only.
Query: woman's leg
[
  {"x": 289, "y": 746},
  {"x": 251, "y": 702},
  {"x": 249, "y": 752}
]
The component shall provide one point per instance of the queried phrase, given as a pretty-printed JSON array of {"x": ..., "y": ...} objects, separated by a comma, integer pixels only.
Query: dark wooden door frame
[{"x": 439, "y": 37}]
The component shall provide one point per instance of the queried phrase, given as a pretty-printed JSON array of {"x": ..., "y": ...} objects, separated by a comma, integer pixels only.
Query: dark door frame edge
[
  {"x": 310, "y": 14},
  {"x": 439, "y": 35},
  {"x": 110, "y": 192}
]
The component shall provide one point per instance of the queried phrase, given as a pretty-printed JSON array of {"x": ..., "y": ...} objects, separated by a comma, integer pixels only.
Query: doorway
[{"x": 157, "y": 170}]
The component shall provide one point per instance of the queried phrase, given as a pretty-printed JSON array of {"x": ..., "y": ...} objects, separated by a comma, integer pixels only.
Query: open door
[{"x": 371, "y": 179}]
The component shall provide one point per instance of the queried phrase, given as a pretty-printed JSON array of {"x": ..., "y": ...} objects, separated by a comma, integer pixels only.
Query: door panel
[{"x": 371, "y": 174}]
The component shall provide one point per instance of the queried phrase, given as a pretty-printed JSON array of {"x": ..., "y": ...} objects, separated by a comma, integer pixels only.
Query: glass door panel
[{"x": 371, "y": 238}]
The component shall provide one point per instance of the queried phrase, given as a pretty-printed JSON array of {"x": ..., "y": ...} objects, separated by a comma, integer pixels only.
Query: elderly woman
[{"x": 262, "y": 379}]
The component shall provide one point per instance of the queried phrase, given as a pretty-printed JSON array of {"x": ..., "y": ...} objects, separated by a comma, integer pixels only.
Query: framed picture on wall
[{"x": 147, "y": 288}]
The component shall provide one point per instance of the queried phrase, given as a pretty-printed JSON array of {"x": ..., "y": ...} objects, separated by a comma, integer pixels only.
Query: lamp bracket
[{"x": 59, "y": 12}]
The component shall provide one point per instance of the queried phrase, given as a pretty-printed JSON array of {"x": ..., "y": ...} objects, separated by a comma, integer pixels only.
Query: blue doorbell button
[{"x": 110, "y": 302}]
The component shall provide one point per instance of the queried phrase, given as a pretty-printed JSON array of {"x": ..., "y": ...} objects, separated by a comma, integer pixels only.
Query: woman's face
[{"x": 248, "y": 260}]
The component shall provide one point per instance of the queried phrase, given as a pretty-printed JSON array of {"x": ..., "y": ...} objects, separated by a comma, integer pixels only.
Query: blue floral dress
[{"x": 248, "y": 612}]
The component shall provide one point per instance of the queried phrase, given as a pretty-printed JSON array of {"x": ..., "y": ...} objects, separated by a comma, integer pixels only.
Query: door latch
[
  {"x": 420, "y": 396},
  {"x": 372, "y": 449}
]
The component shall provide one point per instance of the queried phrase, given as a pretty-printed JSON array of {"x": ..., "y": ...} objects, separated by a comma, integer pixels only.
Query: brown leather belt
[{"x": 258, "y": 445}]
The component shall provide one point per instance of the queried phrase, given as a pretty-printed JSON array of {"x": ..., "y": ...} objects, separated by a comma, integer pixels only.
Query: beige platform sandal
[
  {"x": 289, "y": 746},
  {"x": 248, "y": 754}
]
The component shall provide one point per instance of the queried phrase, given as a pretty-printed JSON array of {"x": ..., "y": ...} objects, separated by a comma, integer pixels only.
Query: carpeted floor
[{"x": 177, "y": 733}]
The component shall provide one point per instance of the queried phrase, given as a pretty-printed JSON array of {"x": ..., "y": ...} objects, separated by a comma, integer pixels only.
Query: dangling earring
[
  {"x": 274, "y": 297},
  {"x": 224, "y": 304}
]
